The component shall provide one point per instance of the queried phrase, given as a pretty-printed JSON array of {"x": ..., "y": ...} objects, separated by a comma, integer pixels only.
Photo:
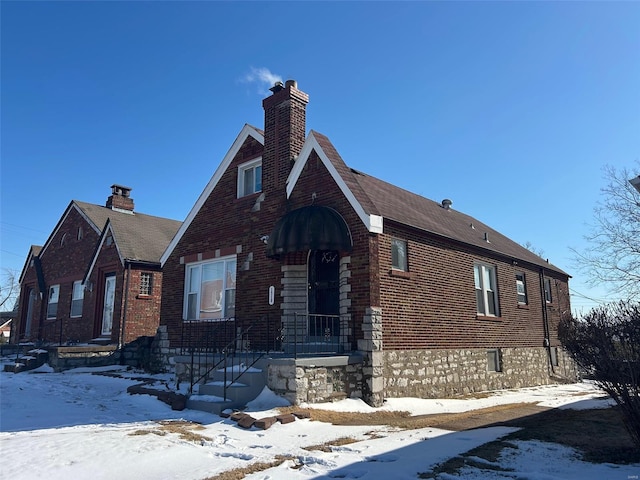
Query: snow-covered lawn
[{"x": 84, "y": 426}]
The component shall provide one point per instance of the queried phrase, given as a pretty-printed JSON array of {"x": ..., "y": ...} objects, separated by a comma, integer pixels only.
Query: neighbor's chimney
[
  {"x": 120, "y": 199},
  {"x": 284, "y": 133}
]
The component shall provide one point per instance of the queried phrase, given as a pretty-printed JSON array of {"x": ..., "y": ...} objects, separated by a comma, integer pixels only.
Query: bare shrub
[{"x": 605, "y": 343}]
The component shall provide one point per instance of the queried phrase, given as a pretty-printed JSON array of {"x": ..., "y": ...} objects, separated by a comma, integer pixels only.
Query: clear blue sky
[{"x": 509, "y": 109}]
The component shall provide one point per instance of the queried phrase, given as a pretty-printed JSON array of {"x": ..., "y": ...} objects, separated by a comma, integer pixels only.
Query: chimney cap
[
  {"x": 446, "y": 204},
  {"x": 277, "y": 87},
  {"x": 117, "y": 189}
]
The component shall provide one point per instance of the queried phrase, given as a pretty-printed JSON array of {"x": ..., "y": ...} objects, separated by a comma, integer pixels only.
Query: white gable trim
[
  {"x": 373, "y": 223},
  {"x": 105, "y": 231},
  {"x": 246, "y": 131}
]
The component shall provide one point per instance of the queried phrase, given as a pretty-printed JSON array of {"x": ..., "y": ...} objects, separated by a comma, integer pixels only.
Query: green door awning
[{"x": 309, "y": 228}]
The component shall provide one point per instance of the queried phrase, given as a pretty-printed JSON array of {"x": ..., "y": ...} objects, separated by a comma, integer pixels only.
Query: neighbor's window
[
  {"x": 77, "y": 297},
  {"x": 547, "y": 290},
  {"x": 399, "y": 254},
  {"x": 146, "y": 283},
  {"x": 250, "y": 178},
  {"x": 521, "y": 288},
  {"x": 486, "y": 289},
  {"x": 52, "y": 305},
  {"x": 494, "y": 360},
  {"x": 210, "y": 289}
]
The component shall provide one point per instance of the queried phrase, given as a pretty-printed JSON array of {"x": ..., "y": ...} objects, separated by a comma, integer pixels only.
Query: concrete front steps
[
  {"x": 30, "y": 359},
  {"x": 210, "y": 396}
]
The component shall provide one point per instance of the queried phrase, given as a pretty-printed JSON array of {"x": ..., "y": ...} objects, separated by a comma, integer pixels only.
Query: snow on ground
[{"x": 77, "y": 424}]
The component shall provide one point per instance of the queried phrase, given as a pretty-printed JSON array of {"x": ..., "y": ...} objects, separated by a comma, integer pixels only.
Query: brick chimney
[
  {"x": 120, "y": 199},
  {"x": 284, "y": 133}
]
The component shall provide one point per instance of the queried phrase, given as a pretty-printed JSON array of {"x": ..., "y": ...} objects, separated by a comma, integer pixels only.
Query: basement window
[{"x": 494, "y": 360}]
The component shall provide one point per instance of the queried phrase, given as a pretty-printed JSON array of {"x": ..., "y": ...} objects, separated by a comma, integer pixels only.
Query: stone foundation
[
  {"x": 448, "y": 373},
  {"x": 315, "y": 380}
]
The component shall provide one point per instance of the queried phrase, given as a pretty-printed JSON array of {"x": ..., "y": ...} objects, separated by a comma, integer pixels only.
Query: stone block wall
[
  {"x": 304, "y": 381},
  {"x": 448, "y": 373}
]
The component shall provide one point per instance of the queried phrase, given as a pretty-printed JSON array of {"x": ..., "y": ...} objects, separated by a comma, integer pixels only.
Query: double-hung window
[
  {"x": 521, "y": 288},
  {"x": 210, "y": 289},
  {"x": 486, "y": 289},
  {"x": 52, "y": 304},
  {"x": 399, "y": 254},
  {"x": 77, "y": 297},
  {"x": 250, "y": 177}
]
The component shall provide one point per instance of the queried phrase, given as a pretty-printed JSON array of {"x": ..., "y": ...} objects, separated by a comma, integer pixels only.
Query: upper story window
[
  {"x": 52, "y": 304},
  {"x": 210, "y": 289},
  {"x": 77, "y": 298},
  {"x": 63, "y": 239},
  {"x": 548, "y": 297},
  {"x": 80, "y": 233},
  {"x": 486, "y": 289},
  {"x": 521, "y": 288},
  {"x": 399, "y": 254},
  {"x": 146, "y": 283},
  {"x": 250, "y": 177}
]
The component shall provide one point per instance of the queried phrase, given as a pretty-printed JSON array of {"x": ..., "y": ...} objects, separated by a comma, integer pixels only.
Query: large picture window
[
  {"x": 210, "y": 289},
  {"x": 486, "y": 289}
]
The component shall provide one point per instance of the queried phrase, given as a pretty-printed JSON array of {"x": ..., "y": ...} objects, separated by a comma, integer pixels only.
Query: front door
[
  {"x": 324, "y": 295},
  {"x": 109, "y": 300}
]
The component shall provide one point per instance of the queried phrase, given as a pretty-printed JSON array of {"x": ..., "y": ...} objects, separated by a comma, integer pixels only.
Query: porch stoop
[
  {"x": 210, "y": 395},
  {"x": 30, "y": 359}
]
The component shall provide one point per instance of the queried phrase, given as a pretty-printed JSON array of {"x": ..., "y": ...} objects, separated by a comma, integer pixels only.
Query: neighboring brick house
[
  {"x": 97, "y": 278},
  {"x": 402, "y": 295}
]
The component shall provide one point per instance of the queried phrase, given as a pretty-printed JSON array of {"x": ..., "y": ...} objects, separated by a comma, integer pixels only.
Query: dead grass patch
[
  {"x": 184, "y": 429},
  {"x": 326, "y": 447},
  {"x": 399, "y": 419},
  {"x": 240, "y": 473}
]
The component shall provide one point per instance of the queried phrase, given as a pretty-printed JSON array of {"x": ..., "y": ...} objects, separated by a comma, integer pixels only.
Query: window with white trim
[
  {"x": 250, "y": 177},
  {"x": 399, "y": 254},
  {"x": 146, "y": 283},
  {"x": 77, "y": 298},
  {"x": 210, "y": 289},
  {"x": 521, "y": 288},
  {"x": 52, "y": 303},
  {"x": 486, "y": 289}
]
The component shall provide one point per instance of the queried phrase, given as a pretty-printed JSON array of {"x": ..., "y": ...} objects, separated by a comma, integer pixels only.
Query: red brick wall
[
  {"x": 63, "y": 262},
  {"x": 436, "y": 306},
  {"x": 143, "y": 311}
]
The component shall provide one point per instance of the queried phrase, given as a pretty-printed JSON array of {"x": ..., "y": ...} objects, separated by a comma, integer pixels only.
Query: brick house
[
  {"x": 97, "y": 278},
  {"x": 362, "y": 288}
]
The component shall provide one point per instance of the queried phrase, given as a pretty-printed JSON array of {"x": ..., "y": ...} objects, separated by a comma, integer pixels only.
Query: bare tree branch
[
  {"x": 612, "y": 258},
  {"x": 9, "y": 289}
]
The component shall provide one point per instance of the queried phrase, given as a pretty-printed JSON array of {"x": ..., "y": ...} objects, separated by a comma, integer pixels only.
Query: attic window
[
  {"x": 80, "y": 233},
  {"x": 250, "y": 178},
  {"x": 63, "y": 239},
  {"x": 109, "y": 240}
]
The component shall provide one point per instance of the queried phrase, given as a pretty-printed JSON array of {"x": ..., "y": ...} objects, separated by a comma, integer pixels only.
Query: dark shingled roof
[
  {"x": 393, "y": 203},
  {"x": 139, "y": 237}
]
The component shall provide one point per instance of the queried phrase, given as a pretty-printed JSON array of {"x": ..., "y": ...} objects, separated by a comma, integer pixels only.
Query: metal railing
[{"x": 224, "y": 344}]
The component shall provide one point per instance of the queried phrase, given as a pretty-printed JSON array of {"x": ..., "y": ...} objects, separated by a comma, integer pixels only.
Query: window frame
[
  {"x": 546, "y": 285},
  {"x": 482, "y": 269},
  {"x": 251, "y": 165},
  {"x": 53, "y": 291},
  {"x": 145, "y": 288},
  {"x": 78, "y": 300},
  {"x": 494, "y": 364},
  {"x": 400, "y": 266},
  {"x": 524, "y": 294},
  {"x": 194, "y": 271}
]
